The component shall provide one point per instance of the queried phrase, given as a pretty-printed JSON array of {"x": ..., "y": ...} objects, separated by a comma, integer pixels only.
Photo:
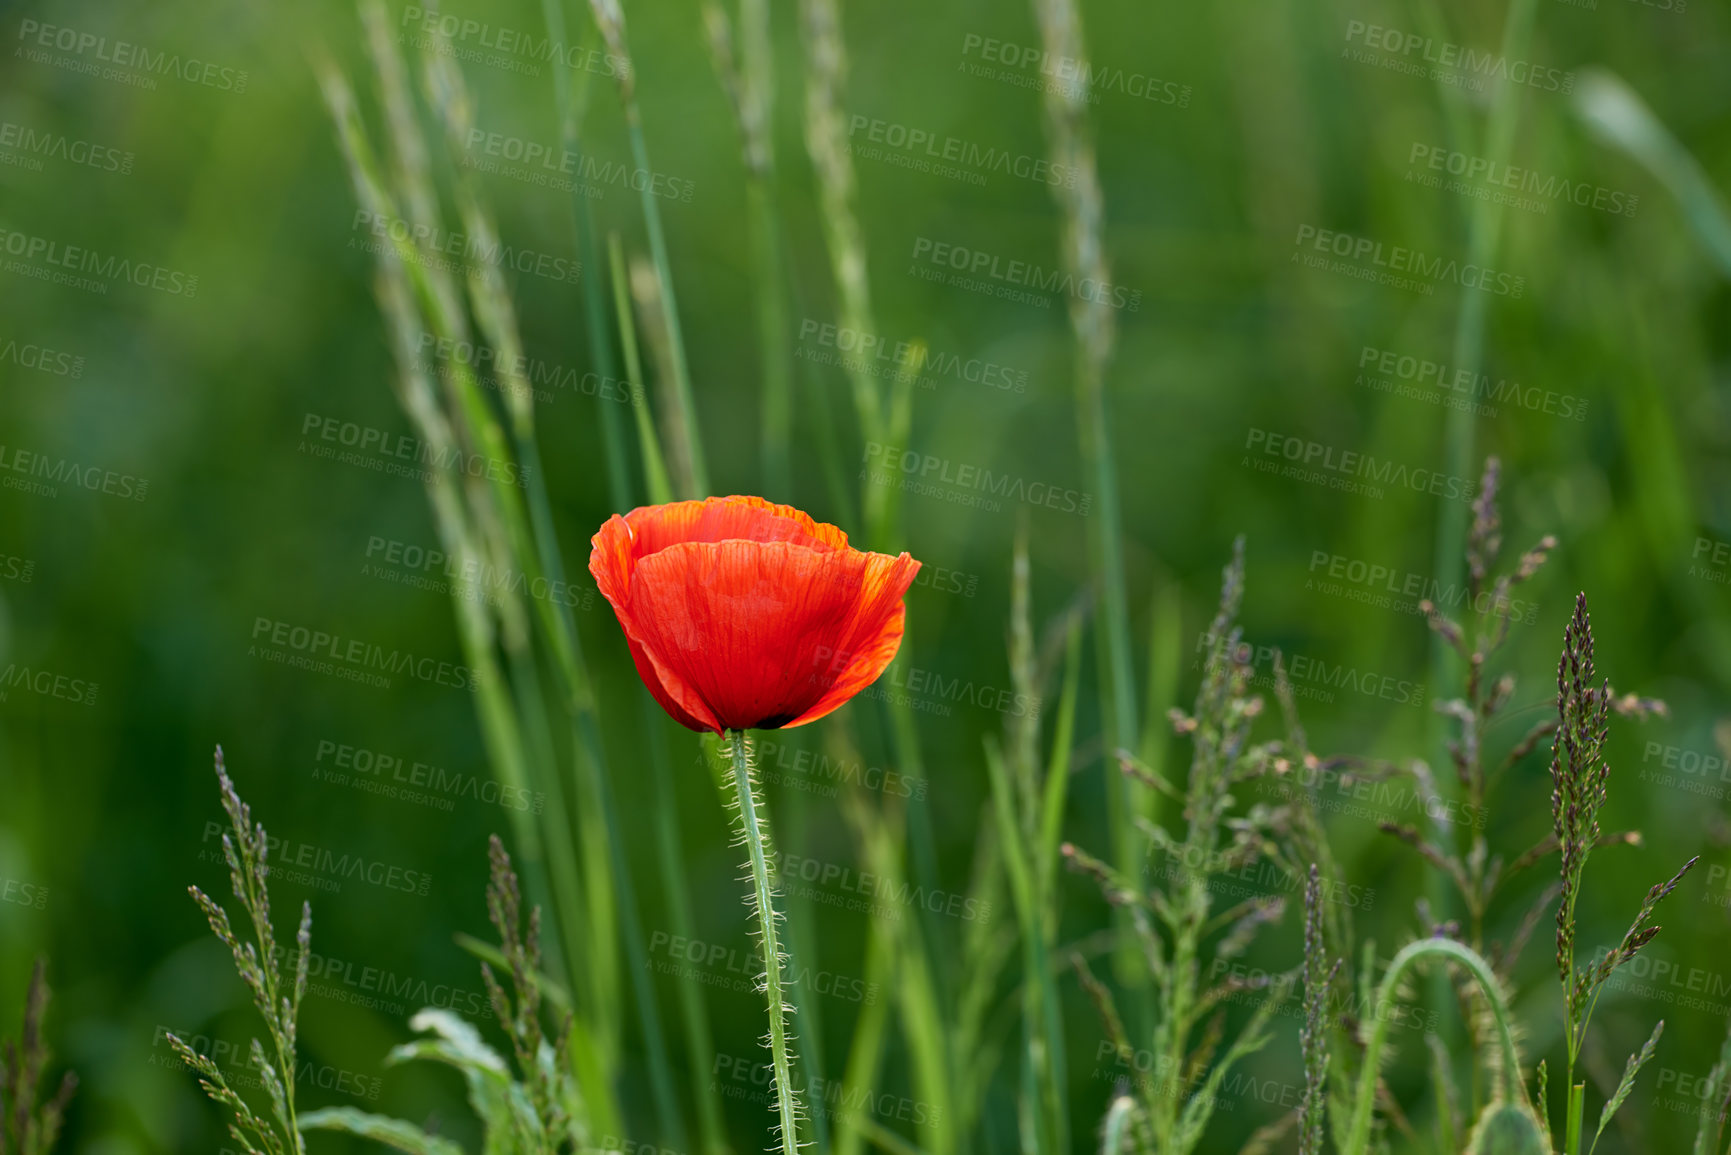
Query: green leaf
[
  {"x": 1707, "y": 1133},
  {"x": 394, "y": 1133},
  {"x": 1507, "y": 1129},
  {"x": 1619, "y": 116},
  {"x": 1115, "y": 1131},
  {"x": 1630, "y": 1070},
  {"x": 511, "y": 1122}
]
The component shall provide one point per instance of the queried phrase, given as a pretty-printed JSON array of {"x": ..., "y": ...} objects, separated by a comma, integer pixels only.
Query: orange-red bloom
[{"x": 745, "y": 615}]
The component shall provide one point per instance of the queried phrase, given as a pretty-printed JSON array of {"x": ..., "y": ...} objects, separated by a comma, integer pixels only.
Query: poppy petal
[
  {"x": 764, "y": 634},
  {"x": 656, "y": 527},
  {"x": 623, "y": 541},
  {"x": 658, "y": 684}
]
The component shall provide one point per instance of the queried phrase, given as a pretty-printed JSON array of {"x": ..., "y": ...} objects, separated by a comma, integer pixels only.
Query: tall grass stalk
[
  {"x": 1029, "y": 808},
  {"x": 1082, "y": 207},
  {"x": 1175, "y": 926},
  {"x": 1484, "y": 227},
  {"x": 570, "y": 105},
  {"x": 885, "y": 417},
  {"x": 749, "y": 78},
  {"x": 29, "y": 1122},
  {"x": 611, "y": 21},
  {"x": 511, "y": 527}
]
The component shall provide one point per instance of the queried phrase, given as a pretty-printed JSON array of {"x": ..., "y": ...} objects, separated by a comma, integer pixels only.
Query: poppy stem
[{"x": 755, "y": 830}]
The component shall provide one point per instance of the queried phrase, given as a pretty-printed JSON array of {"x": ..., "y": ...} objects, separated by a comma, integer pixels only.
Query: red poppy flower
[{"x": 745, "y": 615}]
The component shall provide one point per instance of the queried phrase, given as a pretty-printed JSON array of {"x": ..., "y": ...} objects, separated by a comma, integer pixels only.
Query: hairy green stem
[
  {"x": 1358, "y": 1136},
  {"x": 756, "y": 832}
]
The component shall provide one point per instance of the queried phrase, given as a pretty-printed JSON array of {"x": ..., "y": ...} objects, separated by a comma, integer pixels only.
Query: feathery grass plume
[
  {"x": 29, "y": 1127},
  {"x": 543, "y": 1114},
  {"x": 519, "y": 1012},
  {"x": 1489, "y": 596},
  {"x": 276, "y": 994},
  {"x": 1174, "y": 921},
  {"x": 1580, "y": 778},
  {"x": 1465, "y": 859}
]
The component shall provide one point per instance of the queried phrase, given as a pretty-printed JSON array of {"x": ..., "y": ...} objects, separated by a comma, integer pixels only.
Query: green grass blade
[
  {"x": 1619, "y": 117},
  {"x": 1627, "y": 1083}
]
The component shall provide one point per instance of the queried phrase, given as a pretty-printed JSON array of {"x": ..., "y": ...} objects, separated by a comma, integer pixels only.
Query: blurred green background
[{"x": 1262, "y": 123}]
